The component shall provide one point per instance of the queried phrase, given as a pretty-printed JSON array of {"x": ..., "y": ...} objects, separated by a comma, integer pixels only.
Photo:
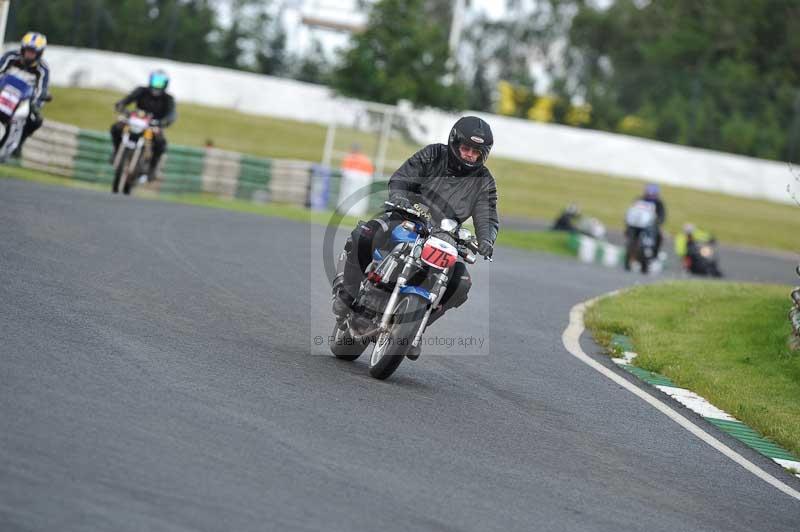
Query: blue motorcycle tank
[{"x": 401, "y": 234}]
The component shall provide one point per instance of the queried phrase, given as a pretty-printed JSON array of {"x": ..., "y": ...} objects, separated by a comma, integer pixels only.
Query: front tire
[
  {"x": 121, "y": 176},
  {"x": 391, "y": 347},
  {"x": 344, "y": 346}
]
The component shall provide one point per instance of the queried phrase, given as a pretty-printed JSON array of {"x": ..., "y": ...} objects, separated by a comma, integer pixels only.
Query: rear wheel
[
  {"x": 344, "y": 346},
  {"x": 391, "y": 347}
]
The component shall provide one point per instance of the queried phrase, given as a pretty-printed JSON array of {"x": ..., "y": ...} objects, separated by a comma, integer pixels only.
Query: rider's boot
[
  {"x": 151, "y": 172},
  {"x": 342, "y": 303},
  {"x": 346, "y": 285},
  {"x": 27, "y": 131}
]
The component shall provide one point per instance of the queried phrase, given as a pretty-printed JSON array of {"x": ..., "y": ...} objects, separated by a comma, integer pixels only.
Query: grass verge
[
  {"x": 727, "y": 342},
  {"x": 526, "y": 190},
  {"x": 554, "y": 243},
  {"x": 546, "y": 241}
]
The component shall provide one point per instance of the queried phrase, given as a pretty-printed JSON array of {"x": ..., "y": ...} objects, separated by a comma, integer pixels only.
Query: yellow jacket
[{"x": 681, "y": 240}]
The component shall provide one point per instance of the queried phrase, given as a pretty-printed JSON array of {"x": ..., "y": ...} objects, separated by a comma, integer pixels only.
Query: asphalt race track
[{"x": 159, "y": 372}]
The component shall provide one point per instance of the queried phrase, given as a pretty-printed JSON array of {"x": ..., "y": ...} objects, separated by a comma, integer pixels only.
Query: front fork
[
  {"x": 120, "y": 150},
  {"x": 402, "y": 279},
  {"x": 132, "y": 167},
  {"x": 439, "y": 288}
]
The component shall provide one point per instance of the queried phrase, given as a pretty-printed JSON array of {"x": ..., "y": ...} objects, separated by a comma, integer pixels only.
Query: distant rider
[
  {"x": 28, "y": 65},
  {"x": 688, "y": 246},
  {"x": 652, "y": 195},
  {"x": 453, "y": 181},
  {"x": 153, "y": 99},
  {"x": 566, "y": 221}
]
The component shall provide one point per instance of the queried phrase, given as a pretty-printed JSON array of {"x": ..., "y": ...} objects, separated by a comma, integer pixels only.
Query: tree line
[
  {"x": 722, "y": 75},
  {"x": 182, "y": 30}
]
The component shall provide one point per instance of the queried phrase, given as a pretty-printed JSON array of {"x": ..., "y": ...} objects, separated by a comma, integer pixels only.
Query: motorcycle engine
[{"x": 372, "y": 299}]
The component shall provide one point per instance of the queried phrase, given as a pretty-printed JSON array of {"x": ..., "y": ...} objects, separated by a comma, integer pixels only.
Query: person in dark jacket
[
  {"x": 566, "y": 221},
  {"x": 652, "y": 194},
  {"x": 453, "y": 182},
  {"x": 153, "y": 99},
  {"x": 28, "y": 65}
]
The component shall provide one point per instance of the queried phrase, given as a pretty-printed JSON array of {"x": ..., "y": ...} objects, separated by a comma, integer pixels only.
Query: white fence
[{"x": 563, "y": 146}]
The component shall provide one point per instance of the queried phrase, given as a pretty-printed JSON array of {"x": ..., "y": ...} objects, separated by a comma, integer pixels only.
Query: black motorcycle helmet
[{"x": 473, "y": 132}]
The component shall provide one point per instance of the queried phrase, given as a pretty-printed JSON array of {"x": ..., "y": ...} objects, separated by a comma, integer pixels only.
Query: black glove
[
  {"x": 118, "y": 107},
  {"x": 401, "y": 201},
  {"x": 486, "y": 248}
]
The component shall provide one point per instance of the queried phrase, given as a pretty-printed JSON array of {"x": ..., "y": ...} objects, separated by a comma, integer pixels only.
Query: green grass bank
[{"x": 727, "y": 342}]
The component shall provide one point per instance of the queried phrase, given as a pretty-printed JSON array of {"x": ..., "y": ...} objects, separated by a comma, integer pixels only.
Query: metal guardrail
[{"x": 85, "y": 155}]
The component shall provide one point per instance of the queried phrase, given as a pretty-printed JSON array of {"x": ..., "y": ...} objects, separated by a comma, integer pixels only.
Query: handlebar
[
  {"x": 467, "y": 249},
  {"x": 124, "y": 115}
]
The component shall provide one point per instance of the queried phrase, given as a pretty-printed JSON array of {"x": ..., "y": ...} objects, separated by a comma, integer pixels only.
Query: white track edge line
[{"x": 571, "y": 340}]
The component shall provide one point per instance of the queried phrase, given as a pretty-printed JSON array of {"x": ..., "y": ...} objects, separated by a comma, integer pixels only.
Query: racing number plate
[
  {"x": 9, "y": 99},
  {"x": 438, "y": 253}
]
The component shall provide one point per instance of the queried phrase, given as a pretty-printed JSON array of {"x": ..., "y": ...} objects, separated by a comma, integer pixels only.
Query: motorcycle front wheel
[
  {"x": 121, "y": 176},
  {"x": 391, "y": 347}
]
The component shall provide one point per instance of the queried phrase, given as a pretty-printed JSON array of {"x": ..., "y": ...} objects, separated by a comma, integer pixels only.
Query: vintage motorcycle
[
  {"x": 701, "y": 258},
  {"x": 132, "y": 159},
  {"x": 403, "y": 285},
  {"x": 641, "y": 235},
  {"x": 15, "y": 107}
]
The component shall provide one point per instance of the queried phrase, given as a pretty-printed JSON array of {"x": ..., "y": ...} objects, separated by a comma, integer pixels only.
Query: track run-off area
[{"x": 160, "y": 371}]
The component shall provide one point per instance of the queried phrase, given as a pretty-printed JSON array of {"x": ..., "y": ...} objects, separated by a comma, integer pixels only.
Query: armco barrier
[
  {"x": 592, "y": 250},
  {"x": 85, "y": 155}
]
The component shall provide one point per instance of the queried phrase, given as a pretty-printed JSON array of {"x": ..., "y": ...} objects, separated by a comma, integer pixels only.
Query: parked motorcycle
[
  {"x": 641, "y": 235},
  {"x": 132, "y": 159},
  {"x": 402, "y": 287}
]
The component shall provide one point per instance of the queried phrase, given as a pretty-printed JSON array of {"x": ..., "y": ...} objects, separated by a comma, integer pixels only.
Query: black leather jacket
[
  {"x": 430, "y": 177},
  {"x": 161, "y": 107}
]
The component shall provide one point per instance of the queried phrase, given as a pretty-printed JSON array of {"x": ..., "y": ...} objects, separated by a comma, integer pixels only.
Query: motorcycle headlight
[
  {"x": 448, "y": 225},
  {"x": 706, "y": 251}
]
